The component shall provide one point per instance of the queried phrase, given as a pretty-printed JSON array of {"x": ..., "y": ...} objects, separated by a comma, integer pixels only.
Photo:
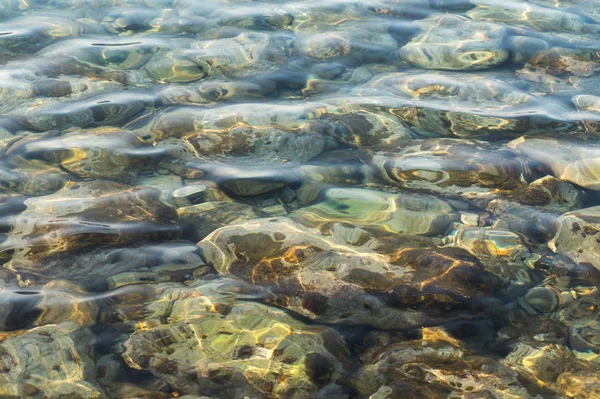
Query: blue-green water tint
[{"x": 299, "y": 199}]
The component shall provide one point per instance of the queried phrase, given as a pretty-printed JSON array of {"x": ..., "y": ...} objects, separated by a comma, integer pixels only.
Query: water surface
[{"x": 299, "y": 199}]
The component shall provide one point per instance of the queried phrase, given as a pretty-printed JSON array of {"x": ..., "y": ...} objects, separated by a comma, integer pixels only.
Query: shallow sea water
[{"x": 299, "y": 199}]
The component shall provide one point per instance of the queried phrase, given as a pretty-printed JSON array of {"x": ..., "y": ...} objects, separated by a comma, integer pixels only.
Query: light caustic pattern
[{"x": 301, "y": 199}]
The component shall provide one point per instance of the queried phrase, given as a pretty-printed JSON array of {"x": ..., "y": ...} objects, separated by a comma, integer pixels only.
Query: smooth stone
[
  {"x": 399, "y": 213},
  {"x": 578, "y": 236},
  {"x": 576, "y": 162},
  {"x": 455, "y": 43}
]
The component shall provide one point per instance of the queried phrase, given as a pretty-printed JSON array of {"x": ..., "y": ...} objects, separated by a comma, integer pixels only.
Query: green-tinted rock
[
  {"x": 51, "y": 361},
  {"x": 195, "y": 339},
  {"x": 454, "y": 43},
  {"x": 399, "y": 213}
]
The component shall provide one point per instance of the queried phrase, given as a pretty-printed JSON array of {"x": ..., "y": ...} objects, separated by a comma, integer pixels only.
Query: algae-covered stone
[
  {"x": 437, "y": 365},
  {"x": 195, "y": 340},
  {"x": 455, "y": 43},
  {"x": 398, "y": 213},
  {"x": 554, "y": 367},
  {"x": 551, "y": 193},
  {"x": 557, "y": 61},
  {"x": 51, "y": 361}
]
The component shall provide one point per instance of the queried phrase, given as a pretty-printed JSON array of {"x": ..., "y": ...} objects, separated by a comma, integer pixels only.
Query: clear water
[{"x": 299, "y": 199}]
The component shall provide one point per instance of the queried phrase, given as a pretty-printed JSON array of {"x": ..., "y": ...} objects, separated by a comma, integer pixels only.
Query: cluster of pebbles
[{"x": 299, "y": 199}]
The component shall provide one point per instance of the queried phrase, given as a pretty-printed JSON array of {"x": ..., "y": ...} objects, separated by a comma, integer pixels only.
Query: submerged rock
[
  {"x": 537, "y": 225},
  {"x": 56, "y": 302},
  {"x": 315, "y": 277},
  {"x": 177, "y": 66},
  {"x": 530, "y": 15},
  {"x": 485, "y": 242},
  {"x": 524, "y": 47},
  {"x": 254, "y": 17},
  {"x": 437, "y": 365},
  {"x": 577, "y": 162},
  {"x": 200, "y": 220},
  {"x": 35, "y": 178},
  {"x": 27, "y": 33},
  {"x": 558, "y": 61},
  {"x": 356, "y": 46},
  {"x": 196, "y": 339},
  {"x": 454, "y": 105},
  {"x": 442, "y": 165},
  {"x": 358, "y": 127},
  {"x": 51, "y": 361},
  {"x": 89, "y": 111},
  {"x": 245, "y": 199},
  {"x": 445, "y": 280},
  {"x": 82, "y": 218},
  {"x": 553, "y": 366},
  {"x": 244, "y": 55},
  {"x": 248, "y": 145},
  {"x": 578, "y": 236},
  {"x": 455, "y": 43},
  {"x": 398, "y": 213},
  {"x": 104, "y": 153},
  {"x": 551, "y": 193},
  {"x": 590, "y": 106},
  {"x": 327, "y": 279}
]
